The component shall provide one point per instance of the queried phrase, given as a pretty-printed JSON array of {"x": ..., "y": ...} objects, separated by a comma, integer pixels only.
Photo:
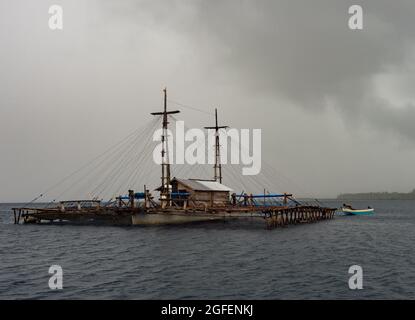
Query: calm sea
[{"x": 214, "y": 261}]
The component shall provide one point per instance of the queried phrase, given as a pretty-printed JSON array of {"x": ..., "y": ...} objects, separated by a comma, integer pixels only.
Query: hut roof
[{"x": 203, "y": 185}]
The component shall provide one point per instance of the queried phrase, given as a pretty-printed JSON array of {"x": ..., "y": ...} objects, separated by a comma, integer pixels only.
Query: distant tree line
[{"x": 378, "y": 196}]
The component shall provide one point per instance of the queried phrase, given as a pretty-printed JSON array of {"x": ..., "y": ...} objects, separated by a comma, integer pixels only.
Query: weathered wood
[
  {"x": 295, "y": 215},
  {"x": 275, "y": 216},
  {"x": 18, "y": 217}
]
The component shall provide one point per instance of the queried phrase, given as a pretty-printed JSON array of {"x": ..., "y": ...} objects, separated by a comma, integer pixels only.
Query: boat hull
[
  {"x": 354, "y": 212},
  {"x": 172, "y": 218}
]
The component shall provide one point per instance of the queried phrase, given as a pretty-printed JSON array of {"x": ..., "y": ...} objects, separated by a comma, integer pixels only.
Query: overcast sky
[{"x": 336, "y": 106}]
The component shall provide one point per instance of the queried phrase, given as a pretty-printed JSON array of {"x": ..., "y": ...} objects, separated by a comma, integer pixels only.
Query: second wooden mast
[{"x": 218, "y": 166}]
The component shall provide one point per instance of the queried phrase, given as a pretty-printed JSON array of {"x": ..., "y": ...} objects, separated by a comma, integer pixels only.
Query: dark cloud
[{"x": 300, "y": 50}]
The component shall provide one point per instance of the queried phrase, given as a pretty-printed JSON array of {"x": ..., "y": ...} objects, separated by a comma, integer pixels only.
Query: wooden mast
[
  {"x": 165, "y": 163},
  {"x": 218, "y": 166}
]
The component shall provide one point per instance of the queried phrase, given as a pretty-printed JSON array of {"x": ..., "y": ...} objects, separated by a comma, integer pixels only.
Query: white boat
[{"x": 349, "y": 211}]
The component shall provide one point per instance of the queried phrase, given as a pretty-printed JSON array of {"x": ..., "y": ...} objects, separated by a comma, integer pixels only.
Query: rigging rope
[{"x": 112, "y": 150}]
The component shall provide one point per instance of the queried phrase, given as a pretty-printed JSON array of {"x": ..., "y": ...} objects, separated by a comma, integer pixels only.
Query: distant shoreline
[{"x": 377, "y": 196}]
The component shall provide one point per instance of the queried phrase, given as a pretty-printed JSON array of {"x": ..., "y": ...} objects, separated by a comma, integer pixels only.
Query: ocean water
[{"x": 216, "y": 260}]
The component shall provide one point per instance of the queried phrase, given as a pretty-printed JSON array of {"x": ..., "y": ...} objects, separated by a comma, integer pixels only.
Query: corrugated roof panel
[
  {"x": 214, "y": 185},
  {"x": 195, "y": 185},
  {"x": 204, "y": 185}
]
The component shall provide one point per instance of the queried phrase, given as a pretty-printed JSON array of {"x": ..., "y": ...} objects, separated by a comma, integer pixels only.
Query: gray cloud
[
  {"x": 303, "y": 51},
  {"x": 317, "y": 89},
  {"x": 300, "y": 50}
]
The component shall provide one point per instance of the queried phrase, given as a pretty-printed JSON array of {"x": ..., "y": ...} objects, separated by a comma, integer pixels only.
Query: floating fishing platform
[
  {"x": 180, "y": 200},
  {"x": 274, "y": 216}
]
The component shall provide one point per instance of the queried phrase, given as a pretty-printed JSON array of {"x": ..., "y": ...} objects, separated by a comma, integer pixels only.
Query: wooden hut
[{"x": 196, "y": 192}]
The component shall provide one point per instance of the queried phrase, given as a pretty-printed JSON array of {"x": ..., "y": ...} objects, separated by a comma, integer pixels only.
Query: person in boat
[{"x": 347, "y": 206}]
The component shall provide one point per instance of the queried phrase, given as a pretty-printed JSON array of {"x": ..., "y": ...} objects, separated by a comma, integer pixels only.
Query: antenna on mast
[
  {"x": 218, "y": 166},
  {"x": 165, "y": 162}
]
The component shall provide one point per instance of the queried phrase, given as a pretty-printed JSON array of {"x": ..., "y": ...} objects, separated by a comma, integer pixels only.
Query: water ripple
[{"x": 223, "y": 261}]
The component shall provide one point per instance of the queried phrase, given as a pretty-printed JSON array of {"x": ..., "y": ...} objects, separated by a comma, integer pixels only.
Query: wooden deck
[{"x": 275, "y": 216}]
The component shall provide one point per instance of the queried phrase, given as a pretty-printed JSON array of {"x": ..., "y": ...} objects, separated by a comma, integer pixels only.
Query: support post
[
  {"x": 145, "y": 198},
  {"x": 131, "y": 197}
]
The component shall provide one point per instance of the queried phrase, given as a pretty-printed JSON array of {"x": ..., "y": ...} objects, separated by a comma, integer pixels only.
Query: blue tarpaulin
[{"x": 137, "y": 195}]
